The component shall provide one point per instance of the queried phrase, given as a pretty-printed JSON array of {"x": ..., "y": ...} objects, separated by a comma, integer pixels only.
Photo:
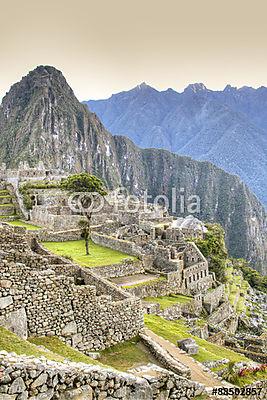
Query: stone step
[
  {"x": 8, "y": 218},
  {"x": 7, "y": 209},
  {"x": 5, "y": 199},
  {"x": 133, "y": 280}
]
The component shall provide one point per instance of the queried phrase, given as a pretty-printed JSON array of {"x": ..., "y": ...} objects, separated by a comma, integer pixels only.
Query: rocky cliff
[{"x": 41, "y": 120}]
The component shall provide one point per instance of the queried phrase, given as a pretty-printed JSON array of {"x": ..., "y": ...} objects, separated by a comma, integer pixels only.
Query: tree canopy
[{"x": 83, "y": 182}]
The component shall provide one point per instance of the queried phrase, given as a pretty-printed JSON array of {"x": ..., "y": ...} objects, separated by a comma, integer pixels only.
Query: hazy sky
[{"x": 105, "y": 46}]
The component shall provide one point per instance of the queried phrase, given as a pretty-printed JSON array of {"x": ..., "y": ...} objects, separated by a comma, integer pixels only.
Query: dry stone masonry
[
  {"x": 89, "y": 316},
  {"x": 39, "y": 379}
]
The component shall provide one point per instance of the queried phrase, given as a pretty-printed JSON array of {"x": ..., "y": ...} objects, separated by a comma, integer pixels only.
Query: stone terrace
[{"x": 41, "y": 295}]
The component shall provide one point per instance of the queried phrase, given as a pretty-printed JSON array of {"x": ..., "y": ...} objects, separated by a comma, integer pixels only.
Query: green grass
[
  {"x": 7, "y": 205},
  {"x": 126, "y": 355},
  {"x": 168, "y": 301},
  {"x": 151, "y": 282},
  {"x": 243, "y": 380},
  {"x": 56, "y": 350},
  {"x": 250, "y": 378},
  {"x": 56, "y": 346},
  {"x": 99, "y": 255},
  {"x": 4, "y": 192},
  {"x": 176, "y": 330},
  {"x": 12, "y": 343},
  {"x": 24, "y": 224}
]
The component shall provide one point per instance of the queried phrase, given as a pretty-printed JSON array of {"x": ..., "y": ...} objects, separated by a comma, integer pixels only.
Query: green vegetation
[
  {"x": 83, "y": 182},
  {"x": 145, "y": 283},
  {"x": 56, "y": 346},
  {"x": 214, "y": 249},
  {"x": 168, "y": 301},
  {"x": 27, "y": 188},
  {"x": 253, "y": 277},
  {"x": 236, "y": 289},
  {"x": 129, "y": 354},
  {"x": 99, "y": 256},
  {"x": 244, "y": 376},
  {"x": 55, "y": 350},
  {"x": 12, "y": 343},
  {"x": 24, "y": 224},
  {"x": 176, "y": 330},
  {"x": 7, "y": 205}
]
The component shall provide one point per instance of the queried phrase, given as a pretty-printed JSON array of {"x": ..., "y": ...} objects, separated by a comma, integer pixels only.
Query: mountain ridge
[
  {"x": 233, "y": 121},
  {"x": 42, "y": 120}
]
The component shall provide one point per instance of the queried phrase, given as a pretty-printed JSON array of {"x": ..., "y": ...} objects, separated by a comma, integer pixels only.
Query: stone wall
[
  {"x": 213, "y": 297},
  {"x": 170, "y": 285},
  {"x": 165, "y": 358},
  {"x": 223, "y": 312},
  {"x": 117, "y": 244},
  {"x": 46, "y": 235},
  {"x": 85, "y": 310},
  {"x": 126, "y": 268},
  {"x": 174, "y": 312},
  {"x": 26, "y": 377}
]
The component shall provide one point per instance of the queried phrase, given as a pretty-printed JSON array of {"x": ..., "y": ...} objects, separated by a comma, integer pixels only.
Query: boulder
[{"x": 188, "y": 345}]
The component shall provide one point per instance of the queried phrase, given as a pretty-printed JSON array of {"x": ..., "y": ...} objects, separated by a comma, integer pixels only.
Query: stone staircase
[{"x": 8, "y": 209}]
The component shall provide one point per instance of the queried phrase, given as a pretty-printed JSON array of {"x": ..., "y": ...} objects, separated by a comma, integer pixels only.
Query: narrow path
[{"x": 197, "y": 371}]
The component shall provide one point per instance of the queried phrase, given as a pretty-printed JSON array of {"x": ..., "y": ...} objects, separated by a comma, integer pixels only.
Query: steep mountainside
[
  {"x": 228, "y": 128},
  {"x": 41, "y": 119}
]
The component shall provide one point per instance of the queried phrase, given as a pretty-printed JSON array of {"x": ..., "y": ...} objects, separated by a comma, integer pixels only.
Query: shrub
[{"x": 254, "y": 278}]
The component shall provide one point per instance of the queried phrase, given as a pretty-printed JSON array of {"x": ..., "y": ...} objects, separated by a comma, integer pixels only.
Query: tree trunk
[{"x": 87, "y": 246}]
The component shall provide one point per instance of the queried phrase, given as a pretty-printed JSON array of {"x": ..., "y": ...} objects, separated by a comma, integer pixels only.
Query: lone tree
[{"x": 80, "y": 185}]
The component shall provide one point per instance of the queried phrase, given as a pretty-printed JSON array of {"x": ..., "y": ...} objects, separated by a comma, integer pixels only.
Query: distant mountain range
[
  {"x": 42, "y": 120},
  {"x": 228, "y": 128}
]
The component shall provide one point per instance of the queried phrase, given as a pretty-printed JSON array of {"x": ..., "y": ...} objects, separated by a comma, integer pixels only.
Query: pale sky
[{"x": 106, "y": 46}]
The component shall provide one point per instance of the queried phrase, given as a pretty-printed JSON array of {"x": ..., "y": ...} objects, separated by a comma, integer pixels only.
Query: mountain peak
[
  {"x": 196, "y": 88},
  {"x": 48, "y": 69},
  {"x": 143, "y": 86},
  {"x": 42, "y": 79},
  {"x": 229, "y": 88}
]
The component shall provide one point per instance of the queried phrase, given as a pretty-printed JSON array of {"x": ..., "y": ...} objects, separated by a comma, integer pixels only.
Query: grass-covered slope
[
  {"x": 28, "y": 226},
  {"x": 56, "y": 346},
  {"x": 168, "y": 301},
  {"x": 53, "y": 348},
  {"x": 12, "y": 343},
  {"x": 75, "y": 250},
  {"x": 176, "y": 330},
  {"x": 126, "y": 355}
]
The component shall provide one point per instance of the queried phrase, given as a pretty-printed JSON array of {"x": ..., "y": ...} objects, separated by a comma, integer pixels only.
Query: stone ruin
[
  {"x": 42, "y": 294},
  {"x": 39, "y": 296},
  {"x": 26, "y": 173}
]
